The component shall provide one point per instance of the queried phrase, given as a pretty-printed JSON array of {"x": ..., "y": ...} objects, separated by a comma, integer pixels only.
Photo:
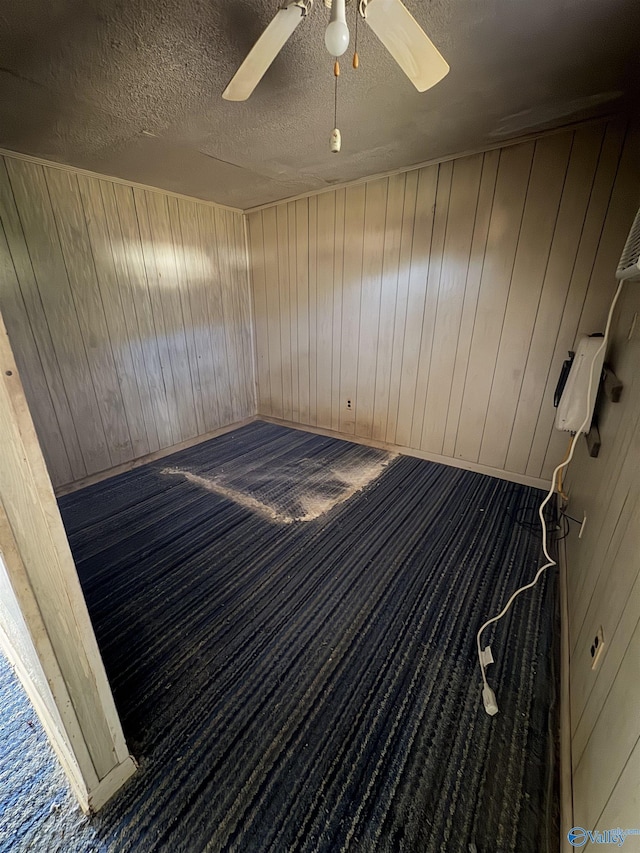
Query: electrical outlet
[
  {"x": 348, "y": 404},
  {"x": 596, "y": 648}
]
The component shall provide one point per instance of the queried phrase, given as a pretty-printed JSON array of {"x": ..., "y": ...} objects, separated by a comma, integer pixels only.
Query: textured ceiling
[{"x": 132, "y": 88}]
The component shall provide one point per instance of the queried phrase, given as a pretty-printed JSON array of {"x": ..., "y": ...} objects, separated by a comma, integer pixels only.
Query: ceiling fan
[{"x": 390, "y": 20}]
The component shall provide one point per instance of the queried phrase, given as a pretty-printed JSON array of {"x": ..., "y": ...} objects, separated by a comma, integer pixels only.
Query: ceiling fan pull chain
[
  {"x": 356, "y": 58},
  {"x": 336, "y": 137},
  {"x": 336, "y": 74}
]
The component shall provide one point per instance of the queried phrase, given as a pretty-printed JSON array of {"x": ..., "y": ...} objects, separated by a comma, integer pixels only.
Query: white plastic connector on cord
[
  {"x": 488, "y": 696},
  {"x": 489, "y": 699},
  {"x": 487, "y": 656}
]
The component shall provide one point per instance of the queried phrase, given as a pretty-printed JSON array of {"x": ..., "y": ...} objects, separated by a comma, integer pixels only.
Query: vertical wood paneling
[
  {"x": 237, "y": 227},
  {"x": 259, "y": 292},
  {"x": 490, "y": 162},
  {"x": 131, "y": 248},
  {"x": 34, "y": 322},
  {"x": 417, "y": 286},
  {"x": 369, "y": 337},
  {"x": 608, "y": 160},
  {"x": 26, "y": 352},
  {"x": 601, "y": 766},
  {"x": 78, "y": 713},
  {"x": 64, "y": 193},
  {"x": 56, "y": 301},
  {"x": 603, "y": 580},
  {"x": 402, "y": 296},
  {"x": 623, "y": 806},
  {"x": 622, "y": 206},
  {"x": 451, "y": 293},
  {"x": 465, "y": 187},
  {"x": 443, "y": 194},
  {"x": 546, "y": 182},
  {"x": 163, "y": 307},
  {"x": 392, "y": 242},
  {"x": 618, "y": 491},
  {"x": 122, "y": 231},
  {"x": 313, "y": 310},
  {"x": 336, "y": 337},
  {"x": 562, "y": 258},
  {"x": 292, "y": 260},
  {"x": 500, "y": 251},
  {"x": 324, "y": 307},
  {"x": 183, "y": 258},
  {"x": 282, "y": 222},
  {"x": 276, "y": 356},
  {"x": 351, "y": 302},
  {"x": 109, "y": 290},
  {"x": 129, "y": 312},
  {"x": 620, "y": 590},
  {"x": 219, "y": 248},
  {"x": 302, "y": 300}
]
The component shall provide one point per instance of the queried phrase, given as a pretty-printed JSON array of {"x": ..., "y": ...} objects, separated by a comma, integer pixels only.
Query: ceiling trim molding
[
  {"x": 506, "y": 143},
  {"x": 40, "y": 161}
]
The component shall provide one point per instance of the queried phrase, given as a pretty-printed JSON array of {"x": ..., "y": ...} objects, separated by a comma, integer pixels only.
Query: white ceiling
[{"x": 85, "y": 83}]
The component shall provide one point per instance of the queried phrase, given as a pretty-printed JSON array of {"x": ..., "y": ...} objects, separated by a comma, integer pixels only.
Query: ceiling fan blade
[
  {"x": 407, "y": 42},
  {"x": 264, "y": 52}
]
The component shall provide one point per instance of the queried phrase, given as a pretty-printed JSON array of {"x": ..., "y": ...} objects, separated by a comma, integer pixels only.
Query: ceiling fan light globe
[{"x": 336, "y": 38}]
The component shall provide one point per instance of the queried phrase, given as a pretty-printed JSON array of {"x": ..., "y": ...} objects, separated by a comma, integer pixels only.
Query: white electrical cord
[{"x": 488, "y": 696}]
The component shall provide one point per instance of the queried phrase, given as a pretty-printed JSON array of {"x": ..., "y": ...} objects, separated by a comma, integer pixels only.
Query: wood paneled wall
[
  {"x": 70, "y": 693},
  {"x": 603, "y": 579},
  {"x": 129, "y": 314},
  {"x": 433, "y": 309}
]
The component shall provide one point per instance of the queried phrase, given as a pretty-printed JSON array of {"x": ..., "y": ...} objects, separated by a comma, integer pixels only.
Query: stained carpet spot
[
  {"x": 319, "y": 488},
  {"x": 244, "y": 500}
]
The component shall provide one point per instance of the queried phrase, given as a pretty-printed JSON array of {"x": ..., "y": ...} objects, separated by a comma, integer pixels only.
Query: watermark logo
[{"x": 578, "y": 836}]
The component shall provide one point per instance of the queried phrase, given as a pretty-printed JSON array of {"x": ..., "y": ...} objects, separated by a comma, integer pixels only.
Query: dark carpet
[
  {"x": 38, "y": 812},
  {"x": 313, "y": 685}
]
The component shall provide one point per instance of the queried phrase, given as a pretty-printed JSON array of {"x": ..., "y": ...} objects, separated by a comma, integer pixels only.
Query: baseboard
[
  {"x": 67, "y": 488},
  {"x": 523, "y": 479},
  {"x": 111, "y": 783},
  {"x": 566, "y": 781}
]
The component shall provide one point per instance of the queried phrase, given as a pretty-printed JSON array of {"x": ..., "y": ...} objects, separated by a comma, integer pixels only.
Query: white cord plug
[{"x": 489, "y": 699}]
